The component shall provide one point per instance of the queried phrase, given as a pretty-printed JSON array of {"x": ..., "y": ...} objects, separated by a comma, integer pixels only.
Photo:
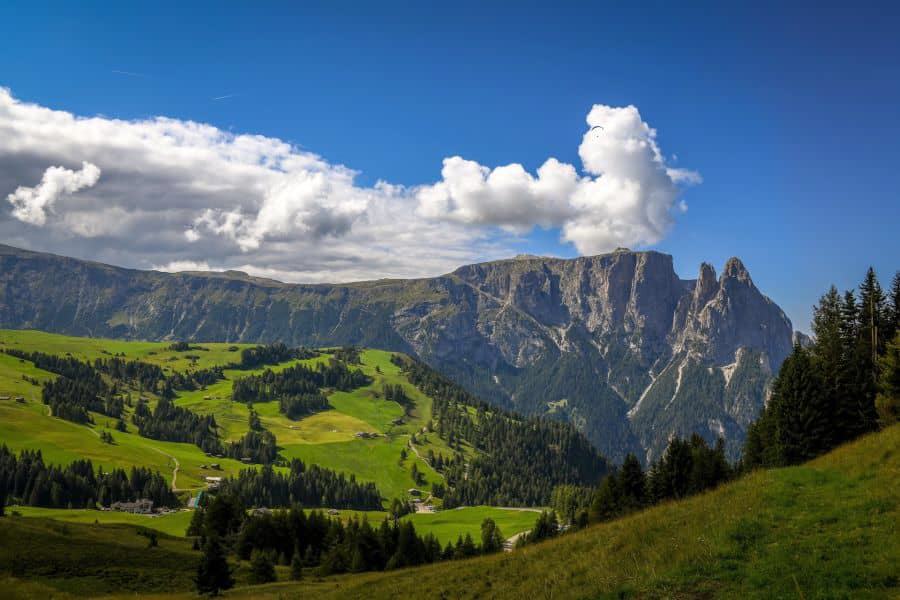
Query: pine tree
[
  {"x": 196, "y": 527},
  {"x": 262, "y": 568},
  {"x": 545, "y": 527},
  {"x": 491, "y": 538},
  {"x": 213, "y": 572},
  {"x": 828, "y": 350},
  {"x": 607, "y": 500},
  {"x": 801, "y": 414},
  {"x": 468, "y": 546},
  {"x": 892, "y": 325},
  {"x": 887, "y": 402},
  {"x": 870, "y": 344},
  {"x": 297, "y": 567},
  {"x": 849, "y": 418},
  {"x": 632, "y": 484}
]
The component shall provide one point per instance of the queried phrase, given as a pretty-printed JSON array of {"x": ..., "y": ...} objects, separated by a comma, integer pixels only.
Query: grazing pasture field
[
  {"x": 174, "y": 524},
  {"x": 447, "y": 525}
]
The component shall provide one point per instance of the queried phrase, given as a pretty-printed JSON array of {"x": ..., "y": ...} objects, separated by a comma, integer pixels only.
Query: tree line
[
  {"x": 307, "y": 485},
  {"x": 520, "y": 460},
  {"x": 271, "y": 354},
  {"x": 171, "y": 423},
  {"x": 258, "y": 445},
  {"x": 687, "y": 467},
  {"x": 298, "y": 388},
  {"x": 314, "y": 541},
  {"x": 78, "y": 389},
  {"x": 25, "y": 479},
  {"x": 844, "y": 384}
]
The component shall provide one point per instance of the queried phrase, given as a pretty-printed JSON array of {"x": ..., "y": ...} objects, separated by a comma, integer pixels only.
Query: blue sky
[{"x": 789, "y": 115}]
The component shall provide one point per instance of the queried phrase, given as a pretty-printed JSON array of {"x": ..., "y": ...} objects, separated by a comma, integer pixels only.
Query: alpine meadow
[{"x": 380, "y": 300}]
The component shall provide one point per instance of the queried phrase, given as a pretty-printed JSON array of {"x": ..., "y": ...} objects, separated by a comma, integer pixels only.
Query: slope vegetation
[{"x": 826, "y": 529}]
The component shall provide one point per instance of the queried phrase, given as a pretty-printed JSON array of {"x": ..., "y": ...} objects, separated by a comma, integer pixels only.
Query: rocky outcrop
[{"x": 617, "y": 343}]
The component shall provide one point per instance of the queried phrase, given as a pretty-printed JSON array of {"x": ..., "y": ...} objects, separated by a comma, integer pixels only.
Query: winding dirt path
[
  {"x": 175, "y": 487},
  {"x": 424, "y": 460}
]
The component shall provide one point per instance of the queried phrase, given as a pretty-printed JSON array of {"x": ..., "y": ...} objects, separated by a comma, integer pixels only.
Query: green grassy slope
[
  {"x": 827, "y": 529},
  {"x": 41, "y": 558}
]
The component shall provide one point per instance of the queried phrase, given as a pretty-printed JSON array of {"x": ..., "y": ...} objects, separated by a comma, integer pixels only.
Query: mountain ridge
[{"x": 616, "y": 343}]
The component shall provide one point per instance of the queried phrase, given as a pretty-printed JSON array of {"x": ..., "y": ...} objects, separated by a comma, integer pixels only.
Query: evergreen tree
[
  {"x": 802, "y": 417},
  {"x": 873, "y": 312},
  {"x": 632, "y": 484},
  {"x": 262, "y": 568},
  {"x": 870, "y": 343},
  {"x": 887, "y": 402},
  {"x": 671, "y": 476},
  {"x": 196, "y": 526},
  {"x": 848, "y": 418},
  {"x": 468, "y": 547},
  {"x": 545, "y": 527},
  {"x": 213, "y": 572},
  {"x": 297, "y": 567},
  {"x": 607, "y": 500},
  {"x": 892, "y": 324},
  {"x": 828, "y": 350},
  {"x": 491, "y": 538}
]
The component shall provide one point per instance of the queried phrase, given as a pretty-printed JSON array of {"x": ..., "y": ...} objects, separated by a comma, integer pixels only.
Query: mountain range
[{"x": 617, "y": 344}]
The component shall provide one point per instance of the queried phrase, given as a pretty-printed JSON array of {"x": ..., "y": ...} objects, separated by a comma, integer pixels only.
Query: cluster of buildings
[{"x": 142, "y": 506}]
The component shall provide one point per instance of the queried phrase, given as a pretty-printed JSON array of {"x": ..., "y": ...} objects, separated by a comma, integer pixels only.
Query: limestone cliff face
[{"x": 616, "y": 343}]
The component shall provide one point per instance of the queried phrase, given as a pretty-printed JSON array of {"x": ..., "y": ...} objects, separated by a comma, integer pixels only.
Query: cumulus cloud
[
  {"x": 179, "y": 194},
  {"x": 628, "y": 196},
  {"x": 30, "y": 204},
  {"x": 507, "y": 196}
]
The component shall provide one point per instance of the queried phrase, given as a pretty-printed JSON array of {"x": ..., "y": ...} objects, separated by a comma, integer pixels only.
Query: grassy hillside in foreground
[{"x": 826, "y": 529}]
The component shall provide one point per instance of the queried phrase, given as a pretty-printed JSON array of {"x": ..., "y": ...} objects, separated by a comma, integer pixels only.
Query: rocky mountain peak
[
  {"x": 706, "y": 286},
  {"x": 735, "y": 269}
]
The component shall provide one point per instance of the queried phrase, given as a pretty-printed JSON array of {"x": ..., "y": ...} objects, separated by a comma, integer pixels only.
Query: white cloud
[
  {"x": 180, "y": 194},
  {"x": 506, "y": 196},
  {"x": 177, "y": 266},
  {"x": 627, "y": 198},
  {"x": 30, "y": 204}
]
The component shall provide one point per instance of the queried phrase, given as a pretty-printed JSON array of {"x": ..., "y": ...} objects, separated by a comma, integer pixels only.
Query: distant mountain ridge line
[{"x": 579, "y": 339}]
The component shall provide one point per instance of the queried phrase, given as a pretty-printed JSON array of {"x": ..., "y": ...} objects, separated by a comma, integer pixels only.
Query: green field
[
  {"x": 174, "y": 524},
  {"x": 447, "y": 525}
]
